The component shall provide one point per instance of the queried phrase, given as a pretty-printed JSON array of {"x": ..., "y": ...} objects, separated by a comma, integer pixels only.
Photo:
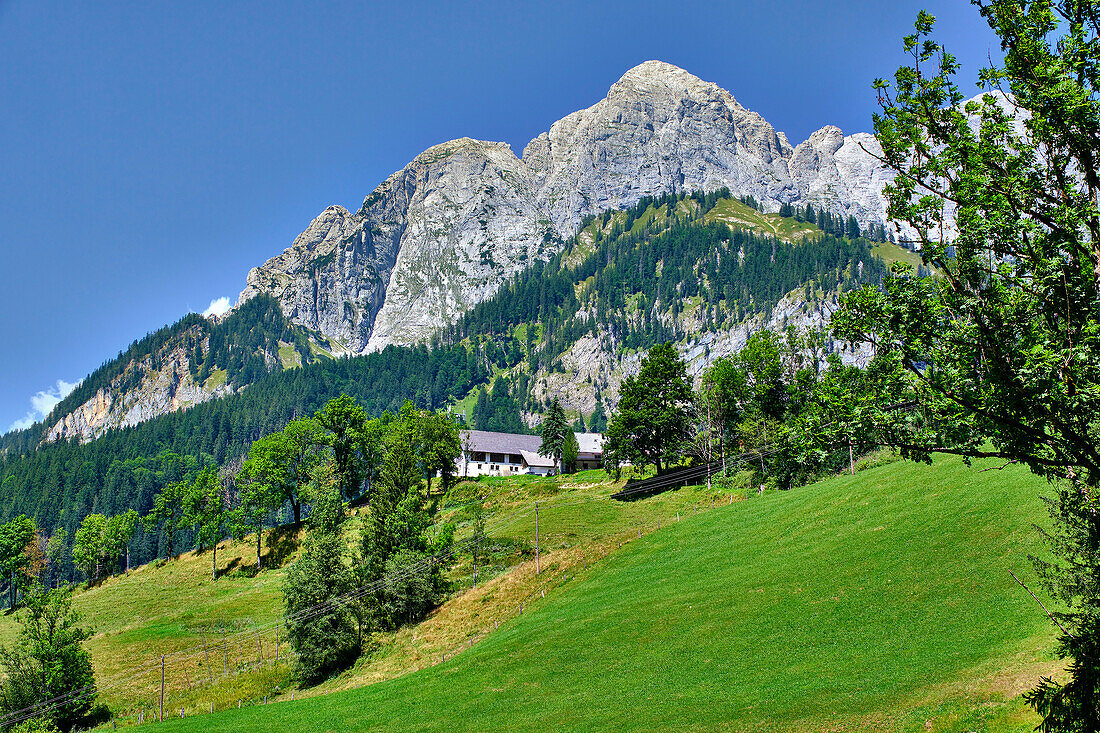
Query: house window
[{"x": 499, "y": 458}]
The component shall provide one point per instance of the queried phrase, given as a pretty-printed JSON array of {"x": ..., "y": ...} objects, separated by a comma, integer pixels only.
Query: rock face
[
  {"x": 659, "y": 130},
  {"x": 472, "y": 221},
  {"x": 444, "y": 233},
  {"x": 161, "y": 390}
]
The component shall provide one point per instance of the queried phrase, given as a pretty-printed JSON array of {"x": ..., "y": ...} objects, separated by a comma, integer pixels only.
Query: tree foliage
[
  {"x": 398, "y": 543},
  {"x": 553, "y": 431},
  {"x": 90, "y": 546},
  {"x": 1001, "y": 351},
  {"x": 319, "y": 622},
  {"x": 653, "y": 419},
  {"x": 15, "y": 535},
  {"x": 48, "y": 661}
]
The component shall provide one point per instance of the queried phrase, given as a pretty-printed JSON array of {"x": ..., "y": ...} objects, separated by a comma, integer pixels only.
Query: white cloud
[
  {"x": 217, "y": 307},
  {"x": 42, "y": 402},
  {"x": 23, "y": 423}
]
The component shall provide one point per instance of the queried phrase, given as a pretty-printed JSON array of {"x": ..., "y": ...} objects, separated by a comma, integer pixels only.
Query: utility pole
[
  {"x": 162, "y": 688},
  {"x": 538, "y": 567},
  {"x": 710, "y": 446}
]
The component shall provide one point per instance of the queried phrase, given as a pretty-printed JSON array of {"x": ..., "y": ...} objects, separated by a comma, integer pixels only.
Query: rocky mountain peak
[
  {"x": 447, "y": 230},
  {"x": 658, "y": 77},
  {"x": 444, "y": 232}
]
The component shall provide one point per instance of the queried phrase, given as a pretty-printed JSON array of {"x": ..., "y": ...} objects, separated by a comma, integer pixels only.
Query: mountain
[
  {"x": 444, "y": 233},
  {"x": 465, "y": 217},
  {"x": 435, "y": 238},
  {"x": 193, "y": 360},
  {"x": 702, "y": 271}
]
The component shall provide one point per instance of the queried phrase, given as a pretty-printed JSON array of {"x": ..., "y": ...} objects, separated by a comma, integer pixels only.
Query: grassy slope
[
  {"x": 875, "y": 601},
  {"x": 740, "y": 216},
  {"x": 166, "y": 608}
]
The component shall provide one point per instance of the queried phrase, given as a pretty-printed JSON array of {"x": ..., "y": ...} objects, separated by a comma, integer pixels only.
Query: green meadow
[{"x": 876, "y": 601}]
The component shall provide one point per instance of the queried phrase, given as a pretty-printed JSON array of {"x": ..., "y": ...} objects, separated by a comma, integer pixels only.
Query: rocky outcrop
[
  {"x": 472, "y": 222},
  {"x": 163, "y": 387},
  {"x": 659, "y": 130},
  {"x": 444, "y": 233},
  {"x": 594, "y": 362},
  {"x": 333, "y": 278}
]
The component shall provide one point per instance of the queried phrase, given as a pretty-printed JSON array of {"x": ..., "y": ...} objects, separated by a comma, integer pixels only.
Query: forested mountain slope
[
  {"x": 189, "y": 362},
  {"x": 667, "y": 269}
]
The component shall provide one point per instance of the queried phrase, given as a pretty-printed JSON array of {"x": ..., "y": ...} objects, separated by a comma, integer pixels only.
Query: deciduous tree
[
  {"x": 48, "y": 661},
  {"x": 1001, "y": 350},
  {"x": 90, "y": 545},
  {"x": 167, "y": 514},
  {"x": 652, "y": 423},
  {"x": 15, "y": 534},
  {"x": 344, "y": 420}
]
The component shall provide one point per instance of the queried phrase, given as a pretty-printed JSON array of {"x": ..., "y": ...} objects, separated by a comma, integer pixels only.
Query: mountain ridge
[
  {"x": 465, "y": 215},
  {"x": 462, "y": 218}
]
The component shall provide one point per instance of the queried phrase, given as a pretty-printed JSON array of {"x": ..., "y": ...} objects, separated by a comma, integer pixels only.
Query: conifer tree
[
  {"x": 853, "y": 228},
  {"x": 553, "y": 431}
]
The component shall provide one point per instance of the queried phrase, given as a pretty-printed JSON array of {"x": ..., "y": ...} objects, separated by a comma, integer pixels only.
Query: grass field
[
  {"x": 875, "y": 601},
  {"x": 176, "y": 609},
  {"x": 741, "y": 216}
]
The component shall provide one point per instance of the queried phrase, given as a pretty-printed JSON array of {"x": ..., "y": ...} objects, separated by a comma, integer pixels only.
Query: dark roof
[{"x": 488, "y": 442}]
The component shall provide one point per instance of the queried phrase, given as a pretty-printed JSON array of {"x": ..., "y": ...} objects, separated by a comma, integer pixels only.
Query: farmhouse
[{"x": 505, "y": 454}]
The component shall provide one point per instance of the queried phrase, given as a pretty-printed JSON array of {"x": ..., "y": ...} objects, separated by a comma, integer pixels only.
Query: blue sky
[{"x": 151, "y": 153}]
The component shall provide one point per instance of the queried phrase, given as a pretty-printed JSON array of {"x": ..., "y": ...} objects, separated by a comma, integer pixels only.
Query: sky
[{"x": 151, "y": 153}]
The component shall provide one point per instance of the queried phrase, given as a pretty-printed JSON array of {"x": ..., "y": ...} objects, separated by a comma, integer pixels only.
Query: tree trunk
[
  {"x": 297, "y": 510},
  {"x": 259, "y": 539},
  {"x": 214, "y": 562}
]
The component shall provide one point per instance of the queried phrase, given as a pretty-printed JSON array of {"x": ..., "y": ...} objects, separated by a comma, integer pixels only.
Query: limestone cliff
[
  {"x": 443, "y": 233},
  {"x": 155, "y": 384},
  {"x": 446, "y": 231}
]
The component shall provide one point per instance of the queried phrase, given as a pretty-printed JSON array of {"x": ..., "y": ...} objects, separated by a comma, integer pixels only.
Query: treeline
[
  {"x": 59, "y": 484},
  {"x": 767, "y": 413}
]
